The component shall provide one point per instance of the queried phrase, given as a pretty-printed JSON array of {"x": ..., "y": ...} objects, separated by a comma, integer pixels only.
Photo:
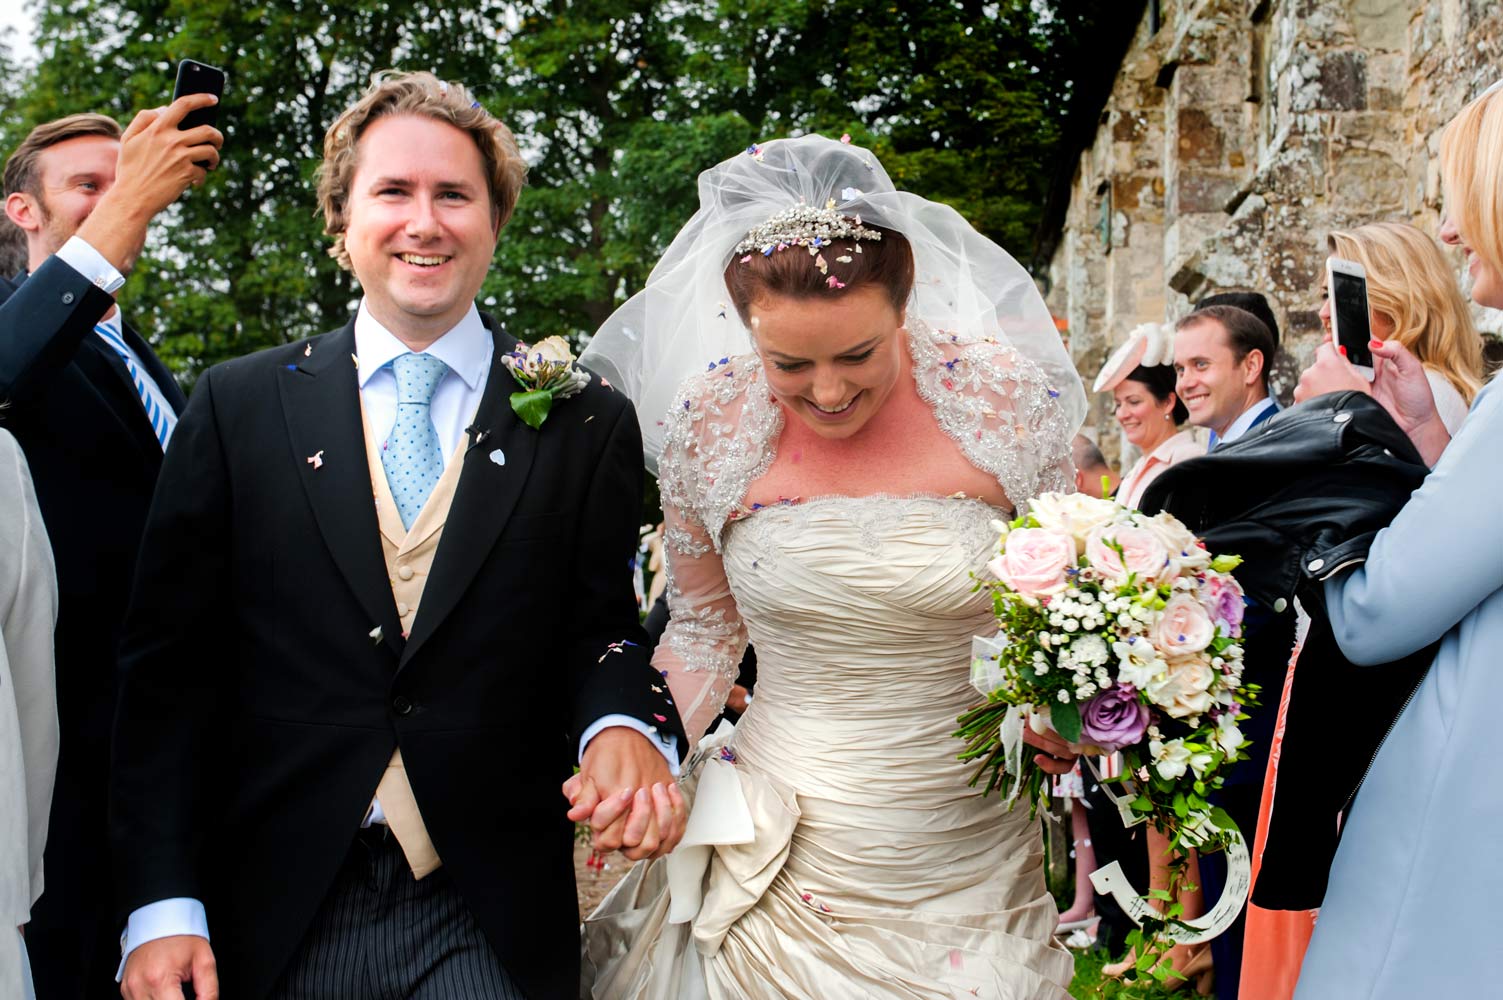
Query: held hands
[
  {"x": 628, "y": 795},
  {"x": 157, "y": 163},
  {"x": 1399, "y": 383},
  {"x": 1057, "y": 757},
  {"x": 158, "y": 969}
]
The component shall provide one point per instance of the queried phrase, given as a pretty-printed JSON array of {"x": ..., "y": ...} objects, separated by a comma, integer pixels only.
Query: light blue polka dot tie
[{"x": 412, "y": 457}]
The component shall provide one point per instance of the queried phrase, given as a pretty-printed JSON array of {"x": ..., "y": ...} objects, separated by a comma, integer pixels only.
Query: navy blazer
[{"x": 70, "y": 402}]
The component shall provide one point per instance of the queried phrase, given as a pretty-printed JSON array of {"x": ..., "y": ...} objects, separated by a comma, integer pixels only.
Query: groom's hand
[
  {"x": 628, "y": 795},
  {"x": 157, "y": 969}
]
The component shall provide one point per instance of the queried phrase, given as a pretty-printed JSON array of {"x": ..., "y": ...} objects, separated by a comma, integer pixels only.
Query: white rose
[
  {"x": 1183, "y": 689},
  {"x": 554, "y": 349},
  {"x": 1076, "y": 513},
  {"x": 1228, "y": 736},
  {"x": 1184, "y": 548}
]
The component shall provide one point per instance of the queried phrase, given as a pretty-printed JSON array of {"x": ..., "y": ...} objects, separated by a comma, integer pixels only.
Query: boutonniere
[{"x": 546, "y": 373}]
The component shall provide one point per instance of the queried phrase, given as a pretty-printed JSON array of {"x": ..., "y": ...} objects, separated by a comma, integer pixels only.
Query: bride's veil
[{"x": 683, "y": 320}]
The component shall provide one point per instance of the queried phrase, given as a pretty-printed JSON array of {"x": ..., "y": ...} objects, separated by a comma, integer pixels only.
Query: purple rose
[{"x": 1113, "y": 719}]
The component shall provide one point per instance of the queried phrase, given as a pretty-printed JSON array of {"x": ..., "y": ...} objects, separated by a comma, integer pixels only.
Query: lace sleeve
[
  {"x": 1000, "y": 408},
  {"x": 711, "y": 453}
]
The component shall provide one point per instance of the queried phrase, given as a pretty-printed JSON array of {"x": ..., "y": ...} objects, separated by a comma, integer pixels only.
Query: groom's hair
[
  {"x": 886, "y": 263},
  {"x": 426, "y": 96}
]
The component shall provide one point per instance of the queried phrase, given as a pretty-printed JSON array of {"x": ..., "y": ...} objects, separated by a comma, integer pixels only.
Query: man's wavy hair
[{"x": 426, "y": 96}]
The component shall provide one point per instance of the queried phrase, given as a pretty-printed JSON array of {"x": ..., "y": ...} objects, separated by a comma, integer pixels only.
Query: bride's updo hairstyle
[{"x": 795, "y": 273}]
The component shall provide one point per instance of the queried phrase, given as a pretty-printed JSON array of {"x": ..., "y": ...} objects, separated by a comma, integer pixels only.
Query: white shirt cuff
[
  {"x": 666, "y": 743},
  {"x": 90, "y": 263},
  {"x": 164, "y": 918}
]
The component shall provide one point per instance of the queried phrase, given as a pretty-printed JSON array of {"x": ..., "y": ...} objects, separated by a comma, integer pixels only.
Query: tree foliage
[{"x": 617, "y": 104}]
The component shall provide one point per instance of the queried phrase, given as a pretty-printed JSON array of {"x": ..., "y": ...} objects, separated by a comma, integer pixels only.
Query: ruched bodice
[{"x": 873, "y": 868}]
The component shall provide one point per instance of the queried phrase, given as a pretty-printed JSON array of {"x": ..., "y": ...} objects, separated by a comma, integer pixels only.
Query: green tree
[{"x": 617, "y": 104}]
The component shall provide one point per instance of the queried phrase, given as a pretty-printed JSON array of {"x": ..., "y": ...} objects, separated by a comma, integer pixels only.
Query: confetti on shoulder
[
  {"x": 308, "y": 351},
  {"x": 317, "y": 459}
]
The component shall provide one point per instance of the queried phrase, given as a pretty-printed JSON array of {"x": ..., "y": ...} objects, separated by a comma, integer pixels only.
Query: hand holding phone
[
  {"x": 1351, "y": 324},
  {"x": 194, "y": 77}
]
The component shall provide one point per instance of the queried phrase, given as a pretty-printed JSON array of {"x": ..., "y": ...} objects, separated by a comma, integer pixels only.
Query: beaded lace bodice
[{"x": 722, "y": 435}]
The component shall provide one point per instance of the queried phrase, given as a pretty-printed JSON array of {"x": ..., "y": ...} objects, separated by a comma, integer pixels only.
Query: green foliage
[{"x": 617, "y": 104}]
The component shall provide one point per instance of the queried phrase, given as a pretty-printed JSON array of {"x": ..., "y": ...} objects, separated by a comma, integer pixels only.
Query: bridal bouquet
[{"x": 1122, "y": 633}]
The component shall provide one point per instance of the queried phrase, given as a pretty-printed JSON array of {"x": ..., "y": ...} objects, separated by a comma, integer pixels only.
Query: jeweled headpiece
[{"x": 804, "y": 226}]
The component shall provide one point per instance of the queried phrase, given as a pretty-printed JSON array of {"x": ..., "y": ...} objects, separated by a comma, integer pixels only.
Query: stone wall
[{"x": 1238, "y": 134}]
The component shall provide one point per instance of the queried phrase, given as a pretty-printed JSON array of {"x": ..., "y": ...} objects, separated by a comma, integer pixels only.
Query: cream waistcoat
[{"x": 409, "y": 558}]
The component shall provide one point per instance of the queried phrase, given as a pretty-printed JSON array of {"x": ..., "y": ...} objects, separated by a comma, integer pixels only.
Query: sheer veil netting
[{"x": 683, "y": 319}]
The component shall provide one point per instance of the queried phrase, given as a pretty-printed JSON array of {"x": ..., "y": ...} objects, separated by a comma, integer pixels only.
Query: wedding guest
[
  {"x": 1415, "y": 300},
  {"x": 1140, "y": 376},
  {"x": 1222, "y": 356},
  {"x": 1093, "y": 476},
  {"x": 93, "y": 409},
  {"x": 28, "y": 709},
  {"x": 1409, "y": 911}
]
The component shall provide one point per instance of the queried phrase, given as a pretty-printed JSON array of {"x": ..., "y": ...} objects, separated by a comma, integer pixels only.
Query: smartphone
[
  {"x": 1351, "y": 328},
  {"x": 198, "y": 78}
]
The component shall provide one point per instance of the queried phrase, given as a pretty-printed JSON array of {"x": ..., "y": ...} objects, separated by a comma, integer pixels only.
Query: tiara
[{"x": 804, "y": 225}]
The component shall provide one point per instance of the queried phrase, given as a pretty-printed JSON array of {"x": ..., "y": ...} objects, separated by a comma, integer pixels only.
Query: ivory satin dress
[{"x": 835, "y": 847}]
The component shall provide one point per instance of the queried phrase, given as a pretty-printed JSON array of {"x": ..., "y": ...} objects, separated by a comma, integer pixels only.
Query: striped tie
[{"x": 154, "y": 411}]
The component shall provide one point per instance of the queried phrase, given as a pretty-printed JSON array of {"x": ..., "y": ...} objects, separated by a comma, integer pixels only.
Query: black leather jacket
[{"x": 1300, "y": 499}]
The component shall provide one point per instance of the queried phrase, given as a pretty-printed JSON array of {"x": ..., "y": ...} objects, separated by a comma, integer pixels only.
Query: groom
[{"x": 377, "y": 619}]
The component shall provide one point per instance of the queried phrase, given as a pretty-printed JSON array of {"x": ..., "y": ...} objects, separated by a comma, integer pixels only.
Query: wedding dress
[{"x": 835, "y": 847}]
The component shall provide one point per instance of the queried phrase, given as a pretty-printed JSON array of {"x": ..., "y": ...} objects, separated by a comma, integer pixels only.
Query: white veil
[{"x": 684, "y": 320}]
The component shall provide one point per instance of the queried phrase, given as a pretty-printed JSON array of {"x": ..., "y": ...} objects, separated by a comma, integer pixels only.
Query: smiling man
[
  {"x": 1222, "y": 356},
  {"x": 378, "y": 620}
]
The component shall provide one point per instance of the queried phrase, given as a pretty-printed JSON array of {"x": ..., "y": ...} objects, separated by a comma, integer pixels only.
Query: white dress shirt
[
  {"x": 467, "y": 349},
  {"x": 90, "y": 263}
]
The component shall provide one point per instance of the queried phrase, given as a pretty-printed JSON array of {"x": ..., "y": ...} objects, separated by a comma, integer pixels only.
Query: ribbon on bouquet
[{"x": 1113, "y": 881}]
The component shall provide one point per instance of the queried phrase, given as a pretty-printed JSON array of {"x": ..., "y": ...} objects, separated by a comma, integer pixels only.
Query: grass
[{"x": 1088, "y": 984}]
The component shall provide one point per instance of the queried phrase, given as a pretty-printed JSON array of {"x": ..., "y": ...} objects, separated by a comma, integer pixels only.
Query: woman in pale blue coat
[{"x": 1410, "y": 911}]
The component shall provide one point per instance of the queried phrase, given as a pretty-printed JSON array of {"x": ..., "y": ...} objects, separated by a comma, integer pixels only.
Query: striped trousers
[{"x": 380, "y": 934}]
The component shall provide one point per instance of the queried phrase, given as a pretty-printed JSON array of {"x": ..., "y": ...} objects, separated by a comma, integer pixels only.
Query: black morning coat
[
  {"x": 265, "y": 680},
  {"x": 1301, "y": 500},
  {"x": 70, "y": 401}
]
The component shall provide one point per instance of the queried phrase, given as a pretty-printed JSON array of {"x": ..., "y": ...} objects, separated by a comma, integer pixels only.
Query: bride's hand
[{"x": 1057, "y": 757}]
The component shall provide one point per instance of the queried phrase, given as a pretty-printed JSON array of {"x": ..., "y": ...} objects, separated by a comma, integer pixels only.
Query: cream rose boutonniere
[{"x": 546, "y": 373}]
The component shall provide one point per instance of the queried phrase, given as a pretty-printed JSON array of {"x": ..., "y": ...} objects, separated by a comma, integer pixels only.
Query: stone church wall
[{"x": 1237, "y": 135}]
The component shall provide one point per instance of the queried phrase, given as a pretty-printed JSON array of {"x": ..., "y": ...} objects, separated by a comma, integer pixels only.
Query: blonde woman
[
  {"x": 1409, "y": 911},
  {"x": 1415, "y": 300}
]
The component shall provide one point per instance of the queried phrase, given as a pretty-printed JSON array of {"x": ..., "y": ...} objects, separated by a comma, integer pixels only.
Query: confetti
[
  {"x": 308, "y": 351},
  {"x": 376, "y": 634},
  {"x": 356, "y": 360},
  {"x": 317, "y": 460},
  {"x": 498, "y": 456},
  {"x": 846, "y": 138},
  {"x": 589, "y": 418},
  {"x": 834, "y": 282},
  {"x": 821, "y": 263},
  {"x": 845, "y": 259},
  {"x": 746, "y": 259}
]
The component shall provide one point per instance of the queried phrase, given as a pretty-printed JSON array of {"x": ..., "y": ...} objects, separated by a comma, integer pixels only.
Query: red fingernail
[
  {"x": 1375, "y": 342},
  {"x": 1342, "y": 350}
]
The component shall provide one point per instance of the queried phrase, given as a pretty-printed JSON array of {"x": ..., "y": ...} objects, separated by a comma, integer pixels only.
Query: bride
[{"x": 828, "y": 497}]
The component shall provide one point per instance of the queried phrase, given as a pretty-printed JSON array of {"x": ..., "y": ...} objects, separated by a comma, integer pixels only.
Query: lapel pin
[
  {"x": 317, "y": 461},
  {"x": 498, "y": 456}
]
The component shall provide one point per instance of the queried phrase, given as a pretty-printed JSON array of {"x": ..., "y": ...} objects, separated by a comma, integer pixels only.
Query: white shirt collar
[
  {"x": 465, "y": 348},
  {"x": 1242, "y": 424}
]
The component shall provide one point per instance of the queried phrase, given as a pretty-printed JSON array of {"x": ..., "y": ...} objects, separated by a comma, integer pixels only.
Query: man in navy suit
[
  {"x": 93, "y": 409},
  {"x": 1222, "y": 355}
]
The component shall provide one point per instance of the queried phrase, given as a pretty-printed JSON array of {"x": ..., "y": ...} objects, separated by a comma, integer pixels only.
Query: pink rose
[
  {"x": 1184, "y": 628},
  {"x": 1034, "y": 560},
  {"x": 1143, "y": 552},
  {"x": 1222, "y": 598}
]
